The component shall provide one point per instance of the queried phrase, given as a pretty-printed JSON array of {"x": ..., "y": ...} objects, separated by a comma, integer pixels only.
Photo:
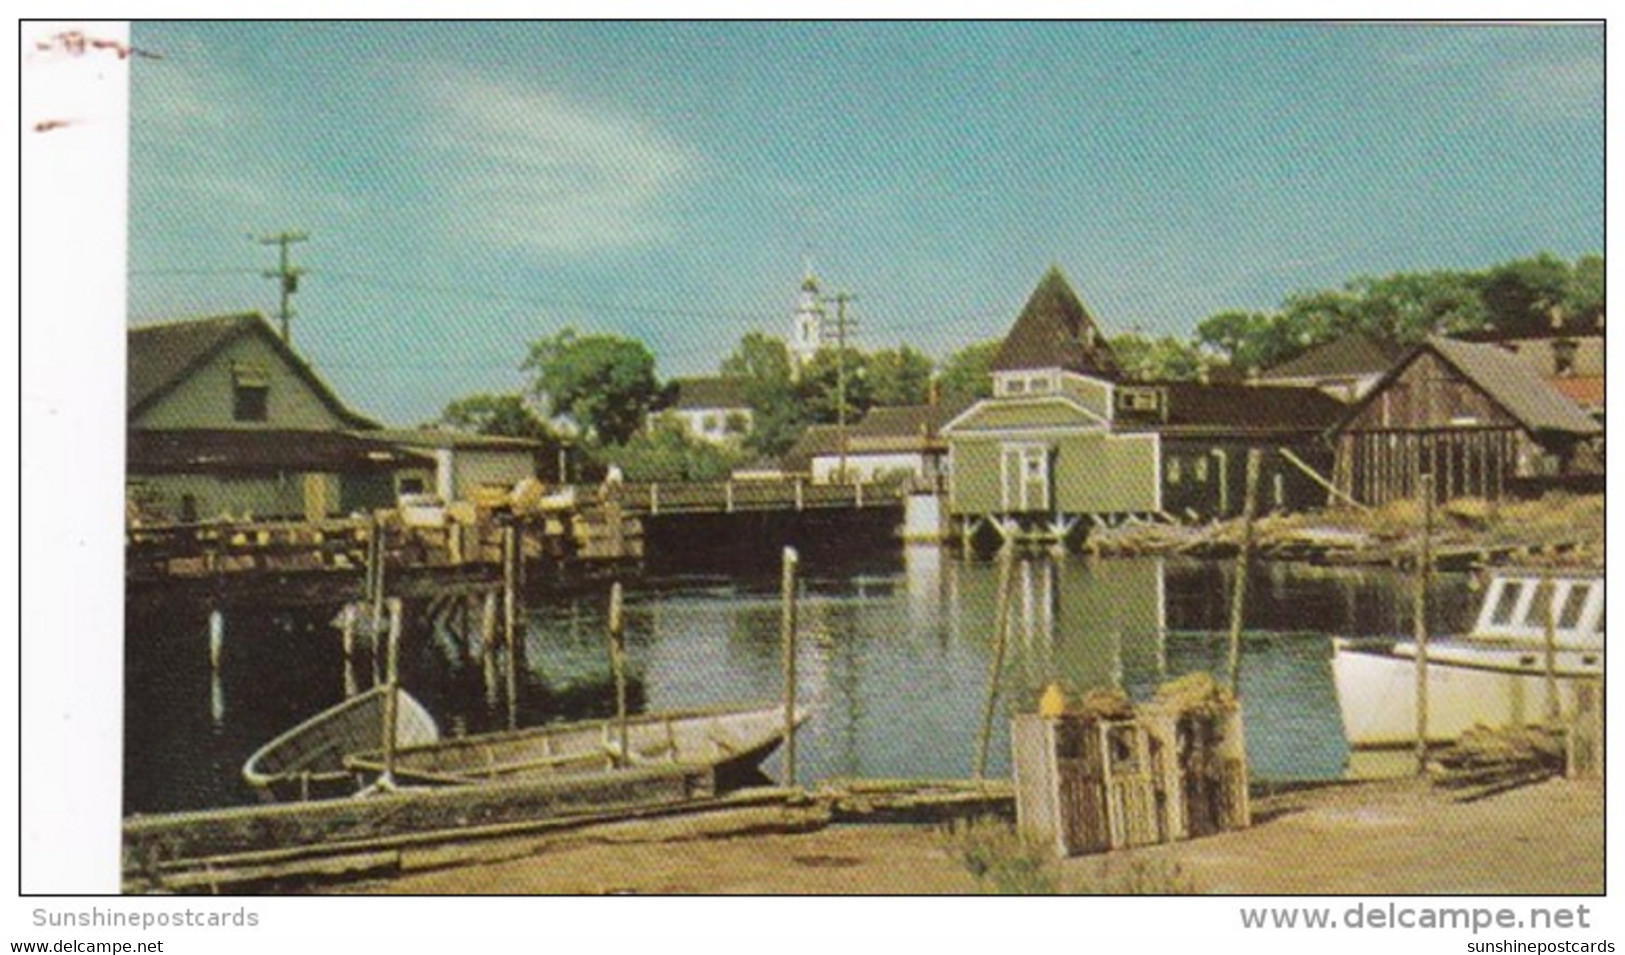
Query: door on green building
[{"x": 1024, "y": 470}]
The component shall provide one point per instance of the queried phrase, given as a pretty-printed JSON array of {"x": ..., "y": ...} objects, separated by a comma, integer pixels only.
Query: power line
[
  {"x": 522, "y": 299},
  {"x": 142, "y": 273}
]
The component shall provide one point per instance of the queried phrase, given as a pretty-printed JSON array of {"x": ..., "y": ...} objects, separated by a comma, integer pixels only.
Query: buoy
[{"x": 1052, "y": 703}]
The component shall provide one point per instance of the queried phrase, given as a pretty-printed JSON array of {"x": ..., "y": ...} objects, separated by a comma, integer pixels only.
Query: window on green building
[{"x": 250, "y": 393}]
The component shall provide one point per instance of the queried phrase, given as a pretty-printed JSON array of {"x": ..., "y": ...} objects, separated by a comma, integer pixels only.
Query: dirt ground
[{"x": 1388, "y": 838}]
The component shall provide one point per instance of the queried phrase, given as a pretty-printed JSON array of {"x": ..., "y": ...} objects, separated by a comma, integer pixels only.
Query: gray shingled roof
[
  {"x": 708, "y": 393},
  {"x": 815, "y": 440},
  {"x": 1354, "y": 354},
  {"x": 1054, "y": 330},
  {"x": 162, "y": 355},
  {"x": 1516, "y": 386}
]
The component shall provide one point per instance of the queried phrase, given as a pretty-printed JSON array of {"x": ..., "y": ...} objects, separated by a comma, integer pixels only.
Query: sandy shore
[{"x": 1389, "y": 838}]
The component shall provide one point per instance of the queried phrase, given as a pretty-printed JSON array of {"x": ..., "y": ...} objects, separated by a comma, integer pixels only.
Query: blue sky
[{"x": 470, "y": 188}]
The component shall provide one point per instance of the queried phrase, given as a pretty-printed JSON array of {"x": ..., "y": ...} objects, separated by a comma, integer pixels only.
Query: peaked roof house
[
  {"x": 184, "y": 374},
  {"x": 901, "y": 441},
  {"x": 1065, "y": 441},
  {"x": 1479, "y": 419},
  {"x": 1345, "y": 368},
  {"x": 710, "y": 409},
  {"x": 225, "y": 419},
  {"x": 1569, "y": 352}
]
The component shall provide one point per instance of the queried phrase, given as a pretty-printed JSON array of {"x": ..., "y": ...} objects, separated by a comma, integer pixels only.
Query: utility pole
[
  {"x": 286, "y": 274},
  {"x": 842, "y": 326}
]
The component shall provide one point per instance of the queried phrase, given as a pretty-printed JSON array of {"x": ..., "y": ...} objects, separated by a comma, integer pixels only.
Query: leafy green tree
[
  {"x": 762, "y": 364},
  {"x": 1407, "y": 307},
  {"x": 967, "y": 374},
  {"x": 1247, "y": 339},
  {"x": 1520, "y": 295},
  {"x": 605, "y": 383},
  {"x": 899, "y": 376},
  {"x": 505, "y": 415},
  {"x": 665, "y": 451},
  {"x": 818, "y": 390},
  {"x": 1587, "y": 291},
  {"x": 1155, "y": 359}
]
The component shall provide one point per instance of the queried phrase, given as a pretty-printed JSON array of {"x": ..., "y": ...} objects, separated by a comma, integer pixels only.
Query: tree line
[{"x": 591, "y": 395}]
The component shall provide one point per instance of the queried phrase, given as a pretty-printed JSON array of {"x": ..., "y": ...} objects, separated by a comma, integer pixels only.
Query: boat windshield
[
  {"x": 1506, "y": 602},
  {"x": 1568, "y": 616}
]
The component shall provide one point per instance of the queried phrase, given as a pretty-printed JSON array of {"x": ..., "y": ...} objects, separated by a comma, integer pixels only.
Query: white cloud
[{"x": 528, "y": 169}]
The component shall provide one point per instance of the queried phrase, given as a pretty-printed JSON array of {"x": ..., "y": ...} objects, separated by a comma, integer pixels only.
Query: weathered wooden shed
[{"x": 1477, "y": 418}]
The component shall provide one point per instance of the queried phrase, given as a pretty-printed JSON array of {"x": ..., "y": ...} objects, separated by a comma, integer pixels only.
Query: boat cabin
[{"x": 1518, "y": 607}]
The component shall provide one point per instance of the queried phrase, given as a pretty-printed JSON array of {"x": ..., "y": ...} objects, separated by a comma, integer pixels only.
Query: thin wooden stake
[
  {"x": 351, "y": 612},
  {"x": 1554, "y": 704},
  {"x": 509, "y": 558},
  {"x": 1001, "y": 627},
  {"x": 1424, "y": 568},
  {"x": 617, "y": 663},
  {"x": 1238, "y": 596},
  {"x": 787, "y": 633},
  {"x": 488, "y": 647}
]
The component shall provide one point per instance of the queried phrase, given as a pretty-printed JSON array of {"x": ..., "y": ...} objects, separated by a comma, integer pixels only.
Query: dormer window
[
  {"x": 1563, "y": 350},
  {"x": 250, "y": 393},
  {"x": 1140, "y": 400}
]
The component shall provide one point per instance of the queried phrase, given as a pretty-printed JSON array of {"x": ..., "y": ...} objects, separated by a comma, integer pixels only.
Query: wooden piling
[
  {"x": 217, "y": 638},
  {"x": 392, "y": 698},
  {"x": 488, "y": 646},
  {"x": 1424, "y": 568},
  {"x": 1238, "y": 595},
  {"x": 787, "y": 630},
  {"x": 510, "y": 556},
  {"x": 996, "y": 663},
  {"x": 347, "y": 638},
  {"x": 1554, "y": 703},
  {"x": 617, "y": 663}
]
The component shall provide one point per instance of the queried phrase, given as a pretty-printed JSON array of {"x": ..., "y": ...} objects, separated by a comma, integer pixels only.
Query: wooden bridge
[{"x": 598, "y": 524}]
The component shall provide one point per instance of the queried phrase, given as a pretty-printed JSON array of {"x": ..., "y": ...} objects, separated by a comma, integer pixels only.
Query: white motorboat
[{"x": 1535, "y": 630}]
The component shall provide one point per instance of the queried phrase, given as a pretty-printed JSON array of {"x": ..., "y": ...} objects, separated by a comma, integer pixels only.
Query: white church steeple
[{"x": 807, "y": 325}]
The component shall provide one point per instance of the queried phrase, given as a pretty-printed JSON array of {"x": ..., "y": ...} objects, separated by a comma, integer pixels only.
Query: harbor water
[{"x": 894, "y": 659}]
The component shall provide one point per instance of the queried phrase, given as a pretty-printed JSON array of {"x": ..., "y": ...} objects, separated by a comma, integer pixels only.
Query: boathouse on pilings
[
  {"x": 1037, "y": 459},
  {"x": 1066, "y": 441},
  {"x": 1482, "y": 421}
]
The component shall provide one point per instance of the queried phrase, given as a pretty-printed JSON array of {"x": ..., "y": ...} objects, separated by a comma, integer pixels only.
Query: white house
[{"x": 710, "y": 409}]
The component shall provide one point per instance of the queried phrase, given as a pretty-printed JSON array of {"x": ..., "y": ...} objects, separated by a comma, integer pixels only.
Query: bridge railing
[{"x": 727, "y": 497}]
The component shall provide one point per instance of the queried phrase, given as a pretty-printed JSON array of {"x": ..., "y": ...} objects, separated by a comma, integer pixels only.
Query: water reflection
[{"x": 893, "y": 660}]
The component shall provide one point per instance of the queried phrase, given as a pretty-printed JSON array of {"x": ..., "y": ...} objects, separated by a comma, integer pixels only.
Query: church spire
[{"x": 807, "y": 323}]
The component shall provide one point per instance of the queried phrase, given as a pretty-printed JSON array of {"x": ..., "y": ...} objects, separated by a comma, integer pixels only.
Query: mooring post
[
  {"x": 996, "y": 664},
  {"x": 488, "y": 646},
  {"x": 509, "y": 558},
  {"x": 1424, "y": 569},
  {"x": 787, "y": 632},
  {"x": 392, "y": 696},
  {"x": 1554, "y": 703},
  {"x": 217, "y": 638},
  {"x": 347, "y": 638},
  {"x": 617, "y": 664},
  {"x": 1238, "y": 595},
  {"x": 799, "y": 500}
]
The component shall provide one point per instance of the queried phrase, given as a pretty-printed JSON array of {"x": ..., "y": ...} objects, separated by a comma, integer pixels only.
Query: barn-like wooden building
[{"x": 1474, "y": 416}]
